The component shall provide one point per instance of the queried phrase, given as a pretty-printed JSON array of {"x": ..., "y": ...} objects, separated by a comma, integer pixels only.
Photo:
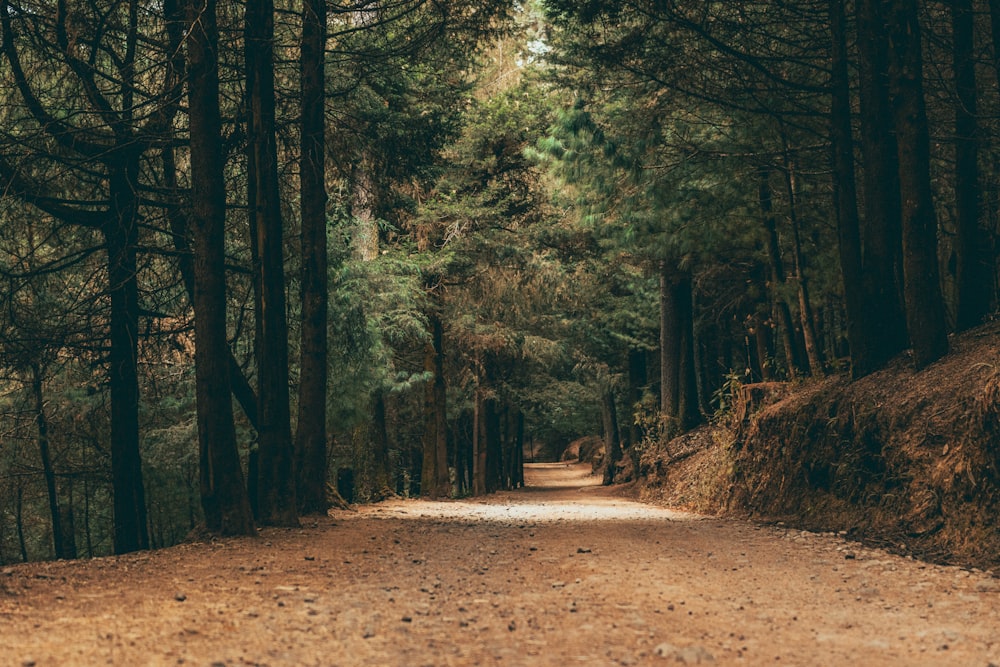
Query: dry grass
[{"x": 902, "y": 459}]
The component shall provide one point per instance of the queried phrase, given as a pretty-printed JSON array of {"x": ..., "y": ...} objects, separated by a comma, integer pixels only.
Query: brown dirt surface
[
  {"x": 561, "y": 572},
  {"x": 901, "y": 459}
]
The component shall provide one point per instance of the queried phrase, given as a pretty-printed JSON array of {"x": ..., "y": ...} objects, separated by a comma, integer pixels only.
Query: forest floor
[{"x": 562, "y": 572}]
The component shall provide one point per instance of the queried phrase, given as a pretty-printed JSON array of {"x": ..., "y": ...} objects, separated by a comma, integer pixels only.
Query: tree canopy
[{"x": 255, "y": 256}]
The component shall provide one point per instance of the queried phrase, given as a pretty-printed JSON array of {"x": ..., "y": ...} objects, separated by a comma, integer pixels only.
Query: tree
[
  {"x": 121, "y": 105},
  {"x": 921, "y": 278},
  {"x": 974, "y": 266},
  {"x": 310, "y": 435},
  {"x": 845, "y": 199},
  {"x": 884, "y": 323},
  {"x": 223, "y": 491},
  {"x": 434, "y": 480},
  {"x": 276, "y": 504}
]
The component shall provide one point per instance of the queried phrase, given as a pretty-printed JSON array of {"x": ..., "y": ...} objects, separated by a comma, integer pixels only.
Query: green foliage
[{"x": 376, "y": 310}]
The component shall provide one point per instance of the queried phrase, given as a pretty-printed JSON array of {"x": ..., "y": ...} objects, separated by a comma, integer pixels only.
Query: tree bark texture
[
  {"x": 760, "y": 350},
  {"x": 688, "y": 408},
  {"x": 310, "y": 435},
  {"x": 381, "y": 465},
  {"x": 462, "y": 436},
  {"x": 179, "y": 231},
  {"x": 517, "y": 480},
  {"x": 478, "y": 445},
  {"x": 974, "y": 266},
  {"x": 276, "y": 502},
  {"x": 364, "y": 208},
  {"x": 881, "y": 230},
  {"x": 113, "y": 151},
  {"x": 670, "y": 345},
  {"x": 777, "y": 281},
  {"x": 845, "y": 196},
  {"x": 637, "y": 380},
  {"x": 63, "y": 540},
  {"x": 814, "y": 352},
  {"x": 121, "y": 235},
  {"x": 223, "y": 492},
  {"x": 493, "y": 467},
  {"x": 925, "y": 315},
  {"x": 510, "y": 443},
  {"x": 679, "y": 400},
  {"x": 612, "y": 436},
  {"x": 435, "y": 478}
]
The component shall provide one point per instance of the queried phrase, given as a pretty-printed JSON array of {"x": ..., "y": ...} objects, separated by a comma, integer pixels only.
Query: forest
[{"x": 255, "y": 253}]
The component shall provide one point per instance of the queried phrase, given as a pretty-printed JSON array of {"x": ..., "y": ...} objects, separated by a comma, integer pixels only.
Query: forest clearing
[{"x": 560, "y": 572}]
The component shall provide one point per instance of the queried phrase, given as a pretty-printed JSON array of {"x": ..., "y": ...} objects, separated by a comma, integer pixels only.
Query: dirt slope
[
  {"x": 903, "y": 459},
  {"x": 560, "y": 573}
]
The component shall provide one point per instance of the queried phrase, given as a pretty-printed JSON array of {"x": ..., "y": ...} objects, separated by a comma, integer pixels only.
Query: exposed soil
[
  {"x": 902, "y": 459},
  {"x": 561, "y": 572}
]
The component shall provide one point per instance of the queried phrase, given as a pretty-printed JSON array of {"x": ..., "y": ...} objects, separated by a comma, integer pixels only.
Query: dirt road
[{"x": 560, "y": 573}]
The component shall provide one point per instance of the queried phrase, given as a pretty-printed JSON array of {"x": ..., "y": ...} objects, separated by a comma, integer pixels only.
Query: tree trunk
[
  {"x": 223, "y": 492},
  {"x": 179, "y": 231},
  {"x": 679, "y": 404},
  {"x": 688, "y": 411},
  {"x": 782, "y": 313},
  {"x": 276, "y": 502},
  {"x": 493, "y": 447},
  {"x": 518, "y": 479},
  {"x": 755, "y": 347},
  {"x": 462, "y": 430},
  {"x": 443, "y": 476},
  {"x": 478, "y": 446},
  {"x": 88, "y": 534},
  {"x": 67, "y": 520},
  {"x": 881, "y": 232},
  {"x": 709, "y": 371},
  {"x": 382, "y": 472},
  {"x": 637, "y": 380},
  {"x": 121, "y": 237},
  {"x": 63, "y": 542},
  {"x": 19, "y": 523},
  {"x": 845, "y": 196},
  {"x": 364, "y": 208},
  {"x": 814, "y": 353},
  {"x": 310, "y": 436},
  {"x": 925, "y": 315},
  {"x": 974, "y": 266},
  {"x": 612, "y": 436},
  {"x": 435, "y": 479},
  {"x": 670, "y": 346}
]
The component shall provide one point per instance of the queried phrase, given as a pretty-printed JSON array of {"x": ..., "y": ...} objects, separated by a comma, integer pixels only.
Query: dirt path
[{"x": 560, "y": 573}]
